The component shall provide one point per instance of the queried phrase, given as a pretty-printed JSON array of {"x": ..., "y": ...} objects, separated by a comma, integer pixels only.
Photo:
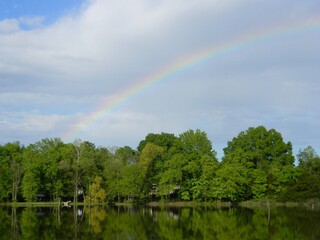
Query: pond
[{"x": 158, "y": 223}]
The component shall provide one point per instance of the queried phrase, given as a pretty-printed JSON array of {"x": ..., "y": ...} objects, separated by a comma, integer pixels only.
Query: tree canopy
[{"x": 257, "y": 164}]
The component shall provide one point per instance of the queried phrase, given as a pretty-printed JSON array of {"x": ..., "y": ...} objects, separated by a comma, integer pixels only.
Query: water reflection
[{"x": 158, "y": 223}]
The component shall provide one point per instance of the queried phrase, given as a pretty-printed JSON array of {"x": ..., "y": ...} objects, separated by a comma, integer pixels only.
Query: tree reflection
[
  {"x": 14, "y": 224},
  {"x": 96, "y": 218},
  {"x": 158, "y": 223},
  {"x": 30, "y": 224},
  {"x": 5, "y": 223}
]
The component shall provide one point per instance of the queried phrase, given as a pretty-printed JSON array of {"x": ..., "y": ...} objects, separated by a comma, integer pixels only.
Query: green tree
[
  {"x": 76, "y": 167},
  {"x": 197, "y": 151},
  {"x": 306, "y": 182},
  {"x": 127, "y": 155},
  {"x": 11, "y": 170},
  {"x": 30, "y": 185},
  {"x": 52, "y": 176},
  {"x": 42, "y": 169},
  {"x": 88, "y": 165},
  {"x": 171, "y": 178},
  {"x": 149, "y": 157},
  {"x": 209, "y": 169},
  {"x": 231, "y": 182},
  {"x": 188, "y": 167},
  {"x": 4, "y": 175},
  {"x": 122, "y": 173},
  {"x": 308, "y": 159},
  {"x": 96, "y": 192},
  {"x": 80, "y": 161},
  {"x": 260, "y": 184},
  {"x": 131, "y": 182},
  {"x": 113, "y": 174},
  {"x": 33, "y": 172},
  {"x": 164, "y": 140},
  {"x": 259, "y": 148}
]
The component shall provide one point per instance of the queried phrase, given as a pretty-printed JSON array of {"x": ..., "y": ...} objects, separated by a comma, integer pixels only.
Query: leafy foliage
[
  {"x": 264, "y": 159},
  {"x": 96, "y": 193},
  {"x": 257, "y": 164},
  {"x": 306, "y": 181}
]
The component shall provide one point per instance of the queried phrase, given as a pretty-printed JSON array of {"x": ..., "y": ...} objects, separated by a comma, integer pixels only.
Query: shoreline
[{"x": 310, "y": 204}]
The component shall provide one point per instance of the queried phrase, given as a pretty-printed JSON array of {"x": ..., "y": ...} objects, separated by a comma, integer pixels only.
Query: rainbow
[{"x": 173, "y": 68}]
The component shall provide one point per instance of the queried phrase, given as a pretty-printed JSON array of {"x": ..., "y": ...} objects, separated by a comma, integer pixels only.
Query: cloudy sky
[{"x": 93, "y": 69}]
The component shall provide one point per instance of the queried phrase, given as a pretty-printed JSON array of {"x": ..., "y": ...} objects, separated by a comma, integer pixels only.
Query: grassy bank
[
  {"x": 47, "y": 204},
  {"x": 309, "y": 204},
  {"x": 216, "y": 204},
  {"x": 30, "y": 204}
]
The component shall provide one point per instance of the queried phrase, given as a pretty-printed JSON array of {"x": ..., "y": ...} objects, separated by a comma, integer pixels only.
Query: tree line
[{"x": 257, "y": 164}]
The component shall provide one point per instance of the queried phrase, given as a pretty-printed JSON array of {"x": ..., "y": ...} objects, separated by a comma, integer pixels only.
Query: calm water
[{"x": 159, "y": 223}]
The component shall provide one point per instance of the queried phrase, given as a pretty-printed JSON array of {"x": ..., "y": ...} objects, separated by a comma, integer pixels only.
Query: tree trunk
[
  {"x": 268, "y": 205},
  {"x": 75, "y": 196},
  {"x": 16, "y": 177},
  {"x": 14, "y": 194}
]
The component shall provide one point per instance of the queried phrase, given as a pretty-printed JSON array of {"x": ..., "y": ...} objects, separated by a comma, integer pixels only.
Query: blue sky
[
  {"x": 59, "y": 60},
  {"x": 51, "y": 10}
]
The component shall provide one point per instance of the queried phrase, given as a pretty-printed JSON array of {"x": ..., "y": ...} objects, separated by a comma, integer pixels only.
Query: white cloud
[
  {"x": 13, "y": 25},
  {"x": 60, "y": 72},
  {"x": 114, "y": 128},
  {"x": 28, "y": 122},
  {"x": 29, "y": 127},
  {"x": 9, "y": 26},
  {"x": 31, "y": 22}
]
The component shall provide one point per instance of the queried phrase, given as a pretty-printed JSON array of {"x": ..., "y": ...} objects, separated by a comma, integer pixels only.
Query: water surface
[{"x": 158, "y": 223}]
